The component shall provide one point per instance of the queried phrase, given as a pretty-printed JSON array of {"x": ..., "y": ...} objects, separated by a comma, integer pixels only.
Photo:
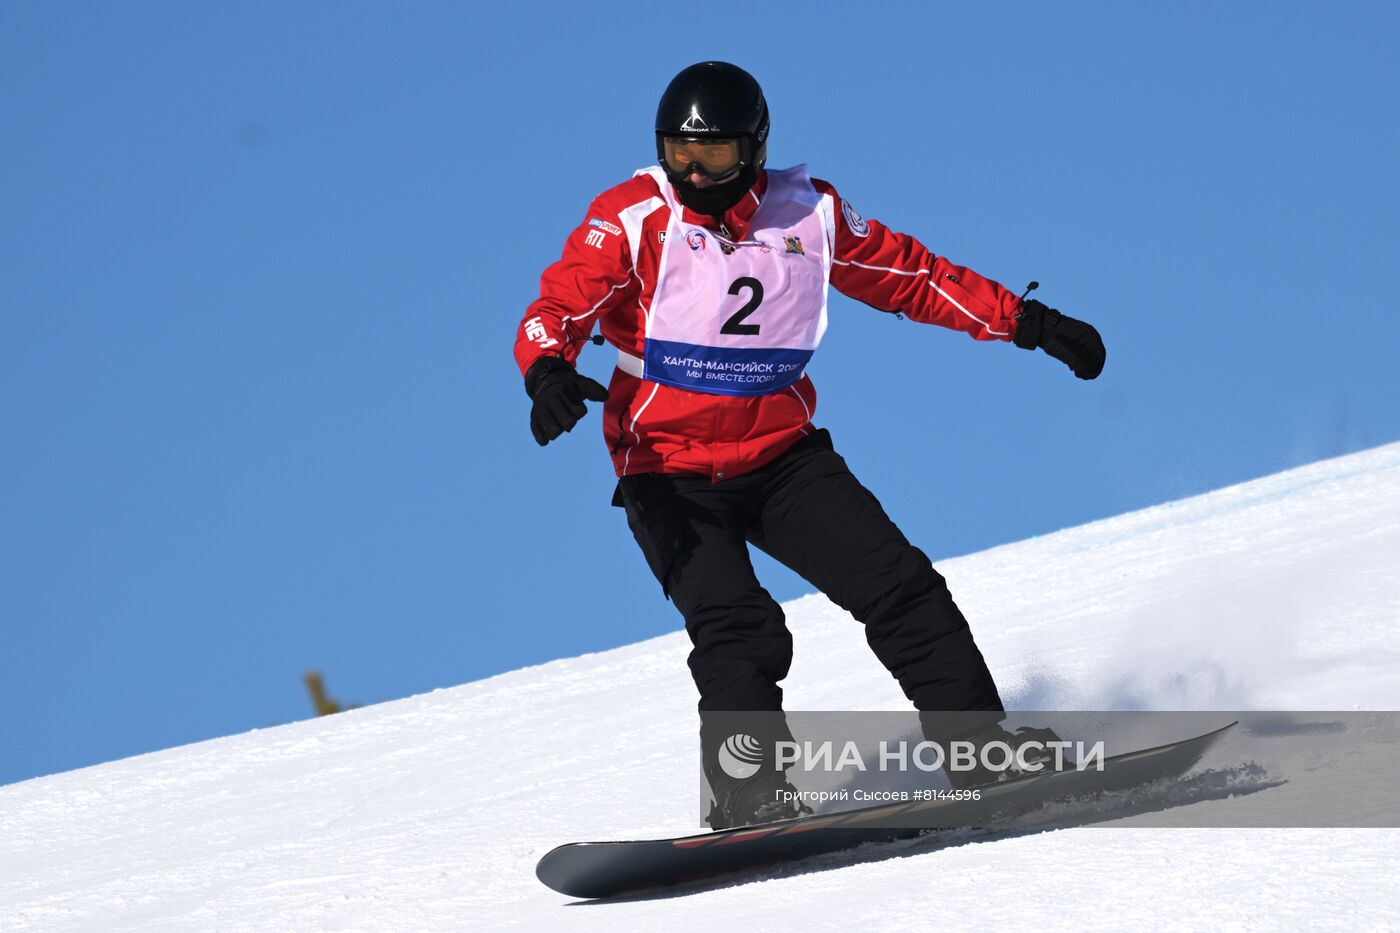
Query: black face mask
[{"x": 716, "y": 199}]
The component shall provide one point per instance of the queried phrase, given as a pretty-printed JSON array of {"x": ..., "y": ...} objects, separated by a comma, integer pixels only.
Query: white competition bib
[{"x": 742, "y": 318}]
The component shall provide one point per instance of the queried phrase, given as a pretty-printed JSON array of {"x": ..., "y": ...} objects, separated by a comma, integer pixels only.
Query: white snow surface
[{"x": 429, "y": 813}]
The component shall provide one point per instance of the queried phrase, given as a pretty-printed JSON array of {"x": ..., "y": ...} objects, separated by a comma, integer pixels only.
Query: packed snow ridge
[{"x": 429, "y": 813}]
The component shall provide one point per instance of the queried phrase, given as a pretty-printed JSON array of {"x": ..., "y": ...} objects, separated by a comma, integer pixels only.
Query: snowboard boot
[
  {"x": 980, "y": 775},
  {"x": 757, "y": 800}
]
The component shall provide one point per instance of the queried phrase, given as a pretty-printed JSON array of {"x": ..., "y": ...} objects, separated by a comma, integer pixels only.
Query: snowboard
[{"x": 607, "y": 869}]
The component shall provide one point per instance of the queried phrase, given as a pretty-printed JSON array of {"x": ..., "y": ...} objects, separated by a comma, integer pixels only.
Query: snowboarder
[{"x": 708, "y": 273}]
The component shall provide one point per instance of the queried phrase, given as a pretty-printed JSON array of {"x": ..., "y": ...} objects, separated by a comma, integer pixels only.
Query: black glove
[
  {"x": 1072, "y": 342},
  {"x": 558, "y": 392}
]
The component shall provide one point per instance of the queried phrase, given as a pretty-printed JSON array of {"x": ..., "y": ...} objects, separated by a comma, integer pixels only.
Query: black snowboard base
[{"x": 607, "y": 869}]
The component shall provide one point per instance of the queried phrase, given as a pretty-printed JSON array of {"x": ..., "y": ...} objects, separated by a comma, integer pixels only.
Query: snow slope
[{"x": 430, "y": 812}]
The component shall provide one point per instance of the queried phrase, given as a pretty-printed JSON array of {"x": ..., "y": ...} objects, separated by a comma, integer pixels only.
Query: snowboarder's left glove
[
  {"x": 558, "y": 391},
  {"x": 1072, "y": 342}
]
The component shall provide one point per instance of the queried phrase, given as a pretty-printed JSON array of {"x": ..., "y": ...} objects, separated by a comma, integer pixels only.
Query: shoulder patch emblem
[
  {"x": 602, "y": 224},
  {"x": 854, "y": 221}
]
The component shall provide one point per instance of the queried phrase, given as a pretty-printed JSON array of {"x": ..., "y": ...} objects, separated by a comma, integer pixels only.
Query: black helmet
[{"x": 714, "y": 100}]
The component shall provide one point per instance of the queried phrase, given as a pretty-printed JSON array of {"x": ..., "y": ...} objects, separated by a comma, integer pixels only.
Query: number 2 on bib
[{"x": 735, "y": 323}]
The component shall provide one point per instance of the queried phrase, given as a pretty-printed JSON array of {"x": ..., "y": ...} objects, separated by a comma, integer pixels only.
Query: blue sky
[{"x": 261, "y": 266}]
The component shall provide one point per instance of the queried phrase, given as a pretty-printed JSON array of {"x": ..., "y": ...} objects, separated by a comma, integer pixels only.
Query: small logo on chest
[{"x": 794, "y": 245}]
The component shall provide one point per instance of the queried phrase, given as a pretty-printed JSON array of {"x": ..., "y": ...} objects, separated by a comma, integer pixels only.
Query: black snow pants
[{"x": 808, "y": 511}]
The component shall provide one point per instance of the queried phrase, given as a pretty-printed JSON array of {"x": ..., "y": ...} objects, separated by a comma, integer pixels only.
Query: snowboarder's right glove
[
  {"x": 558, "y": 392},
  {"x": 1072, "y": 342}
]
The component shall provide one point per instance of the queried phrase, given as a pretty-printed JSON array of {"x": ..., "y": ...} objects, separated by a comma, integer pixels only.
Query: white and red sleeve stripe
[{"x": 895, "y": 272}]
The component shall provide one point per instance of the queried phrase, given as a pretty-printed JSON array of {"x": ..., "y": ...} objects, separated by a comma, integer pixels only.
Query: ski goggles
[{"x": 715, "y": 158}]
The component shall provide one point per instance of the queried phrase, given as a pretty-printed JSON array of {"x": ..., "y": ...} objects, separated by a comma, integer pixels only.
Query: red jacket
[{"x": 606, "y": 278}]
